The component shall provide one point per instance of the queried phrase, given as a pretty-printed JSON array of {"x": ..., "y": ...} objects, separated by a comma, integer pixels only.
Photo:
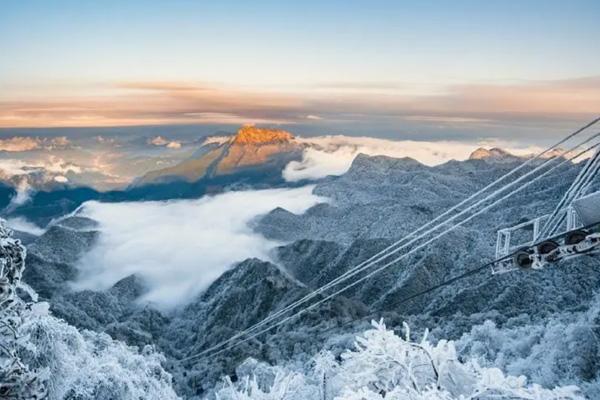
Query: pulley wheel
[
  {"x": 547, "y": 246},
  {"x": 522, "y": 259},
  {"x": 575, "y": 237}
]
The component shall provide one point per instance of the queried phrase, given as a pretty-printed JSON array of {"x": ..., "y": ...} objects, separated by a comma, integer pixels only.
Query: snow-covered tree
[
  {"x": 560, "y": 350},
  {"x": 90, "y": 365},
  {"x": 383, "y": 365},
  {"x": 17, "y": 380},
  {"x": 44, "y": 357}
]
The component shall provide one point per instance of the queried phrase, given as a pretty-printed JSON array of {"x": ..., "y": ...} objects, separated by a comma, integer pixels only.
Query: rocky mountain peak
[
  {"x": 250, "y": 153},
  {"x": 249, "y": 134},
  {"x": 491, "y": 154}
]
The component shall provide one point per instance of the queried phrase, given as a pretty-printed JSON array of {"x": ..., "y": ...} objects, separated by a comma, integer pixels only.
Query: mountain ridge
[
  {"x": 251, "y": 149},
  {"x": 379, "y": 200}
]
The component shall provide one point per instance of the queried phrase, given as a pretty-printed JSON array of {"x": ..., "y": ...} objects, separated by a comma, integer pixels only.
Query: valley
[{"x": 377, "y": 201}]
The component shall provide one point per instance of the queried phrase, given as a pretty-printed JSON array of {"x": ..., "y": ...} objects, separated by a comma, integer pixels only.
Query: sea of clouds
[
  {"x": 22, "y": 225},
  {"x": 53, "y": 168},
  {"x": 180, "y": 247},
  {"x": 333, "y": 155}
]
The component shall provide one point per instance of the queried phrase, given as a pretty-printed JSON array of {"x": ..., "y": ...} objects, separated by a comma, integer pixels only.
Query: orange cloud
[
  {"x": 154, "y": 103},
  {"x": 164, "y": 86},
  {"x": 558, "y": 97},
  {"x": 17, "y": 144}
]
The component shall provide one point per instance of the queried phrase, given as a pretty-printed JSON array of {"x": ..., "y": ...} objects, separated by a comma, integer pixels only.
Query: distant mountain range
[{"x": 252, "y": 158}]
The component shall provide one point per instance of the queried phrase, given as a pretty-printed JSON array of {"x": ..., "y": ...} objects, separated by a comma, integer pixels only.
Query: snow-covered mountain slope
[
  {"x": 383, "y": 197},
  {"x": 380, "y": 199},
  {"x": 274, "y": 155}
]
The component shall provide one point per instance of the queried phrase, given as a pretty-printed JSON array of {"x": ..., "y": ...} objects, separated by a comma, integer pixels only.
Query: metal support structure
[
  {"x": 575, "y": 191},
  {"x": 504, "y": 245},
  {"x": 582, "y": 212}
]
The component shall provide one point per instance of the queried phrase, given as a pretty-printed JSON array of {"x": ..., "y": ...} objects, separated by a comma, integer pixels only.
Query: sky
[{"x": 382, "y": 68}]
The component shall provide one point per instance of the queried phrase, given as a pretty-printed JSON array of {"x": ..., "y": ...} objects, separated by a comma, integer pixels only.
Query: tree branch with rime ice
[
  {"x": 385, "y": 366},
  {"x": 17, "y": 380},
  {"x": 43, "y": 357}
]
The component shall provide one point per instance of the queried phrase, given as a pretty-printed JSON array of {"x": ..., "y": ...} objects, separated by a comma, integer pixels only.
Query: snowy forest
[
  {"x": 299, "y": 200},
  {"x": 44, "y": 357},
  {"x": 199, "y": 298}
]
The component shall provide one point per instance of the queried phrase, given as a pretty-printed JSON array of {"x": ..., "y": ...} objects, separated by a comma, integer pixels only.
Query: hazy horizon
[{"x": 452, "y": 70}]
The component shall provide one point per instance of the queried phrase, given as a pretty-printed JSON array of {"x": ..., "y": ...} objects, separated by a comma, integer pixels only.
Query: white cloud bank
[
  {"x": 22, "y": 225},
  {"x": 56, "y": 165},
  {"x": 162, "y": 142},
  {"x": 216, "y": 140},
  {"x": 180, "y": 247},
  {"x": 53, "y": 168},
  {"x": 333, "y": 155},
  {"x": 23, "y": 195},
  {"x": 19, "y": 144}
]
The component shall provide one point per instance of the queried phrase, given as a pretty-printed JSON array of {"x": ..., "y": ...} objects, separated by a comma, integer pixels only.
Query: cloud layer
[
  {"x": 56, "y": 166},
  {"x": 22, "y": 225},
  {"x": 18, "y": 144},
  {"x": 333, "y": 155},
  {"x": 180, "y": 247},
  {"x": 161, "y": 141},
  {"x": 22, "y": 196},
  {"x": 146, "y": 103},
  {"x": 29, "y": 176}
]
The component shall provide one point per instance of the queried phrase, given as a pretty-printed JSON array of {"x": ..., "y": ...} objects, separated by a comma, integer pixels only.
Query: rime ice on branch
[
  {"x": 385, "y": 366},
  {"x": 43, "y": 357},
  {"x": 17, "y": 381}
]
